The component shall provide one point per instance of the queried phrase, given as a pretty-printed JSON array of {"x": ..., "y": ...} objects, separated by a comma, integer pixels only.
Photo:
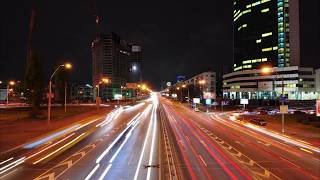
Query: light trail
[
  {"x": 143, "y": 149},
  {"x": 57, "y": 150},
  {"x": 50, "y": 146},
  {"x": 154, "y": 120},
  {"x": 46, "y": 139},
  {"x": 92, "y": 172},
  {"x": 12, "y": 165},
  {"x": 105, "y": 172},
  {"x": 115, "y": 141},
  {"x": 6, "y": 160}
]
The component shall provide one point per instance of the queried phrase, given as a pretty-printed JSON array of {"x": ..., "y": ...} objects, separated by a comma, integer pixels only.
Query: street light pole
[{"x": 68, "y": 66}]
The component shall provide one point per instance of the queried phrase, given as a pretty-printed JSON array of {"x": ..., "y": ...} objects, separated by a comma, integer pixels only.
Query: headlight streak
[
  {"x": 57, "y": 150},
  {"x": 132, "y": 123},
  {"x": 46, "y": 139},
  {"x": 143, "y": 149},
  {"x": 6, "y": 160},
  {"x": 154, "y": 120},
  {"x": 92, "y": 172},
  {"x": 115, "y": 141},
  {"x": 49, "y": 146},
  {"x": 277, "y": 136},
  {"x": 105, "y": 172},
  {"x": 12, "y": 165}
]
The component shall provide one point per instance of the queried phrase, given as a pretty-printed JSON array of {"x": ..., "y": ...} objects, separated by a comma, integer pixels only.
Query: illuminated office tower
[{"x": 266, "y": 32}]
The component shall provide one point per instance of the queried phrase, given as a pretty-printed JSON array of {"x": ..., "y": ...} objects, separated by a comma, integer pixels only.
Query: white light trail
[
  {"x": 105, "y": 172},
  {"x": 143, "y": 149},
  {"x": 6, "y": 161},
  {"x": 57, "y": 150},
  {"x": 154, "y": 120},
  {"x": 12, "y": 165},
  {"x": 92, "y": 172}
]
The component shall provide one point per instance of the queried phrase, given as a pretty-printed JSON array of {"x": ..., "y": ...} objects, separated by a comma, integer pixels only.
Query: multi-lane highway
[
  {"x": 244, "y": 152},
  {"x": 162, "y": 139}
]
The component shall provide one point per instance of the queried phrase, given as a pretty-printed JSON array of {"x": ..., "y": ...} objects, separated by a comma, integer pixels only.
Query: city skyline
[{"x": 181, "y": 41}]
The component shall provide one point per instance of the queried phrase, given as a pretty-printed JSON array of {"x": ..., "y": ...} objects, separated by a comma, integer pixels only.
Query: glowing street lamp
[
  {"x": 10, "y": 83},
  {"x": 185, "y": 86},
  {"x": 266, "y": 71},
  {"x": 66, "y": 66}
]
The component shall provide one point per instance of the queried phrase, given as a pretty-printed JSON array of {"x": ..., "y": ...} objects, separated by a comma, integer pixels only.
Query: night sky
[{"x": 178, "y": 38}]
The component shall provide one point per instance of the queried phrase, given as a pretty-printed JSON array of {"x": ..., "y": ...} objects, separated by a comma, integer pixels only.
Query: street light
[
  {"x": 185, "y": 86},
  {"x": 104, "y": 80},
  {"x": 10, "y": 83},
  {"x": 67, "y": 66},
  {"x": 268, "y": 70}
]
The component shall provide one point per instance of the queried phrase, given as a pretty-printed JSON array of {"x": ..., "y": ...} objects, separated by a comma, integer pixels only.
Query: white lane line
[
  {"x": 92, "y": 172},
  {"x": 6, "y": 161},
  {"x": 154, "y": 119},
  {"x": 50, "y": 146},
  {"x": 57, "y": 150},
  {"x": 105, "y": 172},
  {"x": 143, "y": 149},
  {"x": 12, "y": 165},
  {"x": 202, "y": 160}
]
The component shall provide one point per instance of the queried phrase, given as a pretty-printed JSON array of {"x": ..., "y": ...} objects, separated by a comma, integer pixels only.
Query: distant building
[
  {"x": 135, "y": 64},
  {"x": 267, "y": 34},
  {"x": 110, "y": 57},
  {"x": 81, "y": 93},
  {"x": 299, "y": 84},
  {"x": 317, "y": 83},
  {"x": 209, "y": 85}
]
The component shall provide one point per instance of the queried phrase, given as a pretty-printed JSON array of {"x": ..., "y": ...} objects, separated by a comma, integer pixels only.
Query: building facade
[
  {"x": 266, "y": 34},
  {"x": 110, "y": 59},
  {"x": 298, "y": 82},
  {"x": 135, "y": 64},
  {"x": 209, "y": 82}
]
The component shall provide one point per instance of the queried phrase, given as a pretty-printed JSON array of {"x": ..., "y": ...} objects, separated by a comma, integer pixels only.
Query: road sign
[
  {"x": 283, "y": 109},
  {"x": 196, "y": 100},
  {"x": 244, "y": 101},
  {"x": 208, "y": 102}
]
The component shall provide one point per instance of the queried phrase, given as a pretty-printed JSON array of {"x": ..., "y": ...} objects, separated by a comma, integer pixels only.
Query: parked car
[{"x": 258, "y": 121}]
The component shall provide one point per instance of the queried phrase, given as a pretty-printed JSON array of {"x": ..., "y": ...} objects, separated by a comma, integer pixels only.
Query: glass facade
[{"x": 261, "y": 34}]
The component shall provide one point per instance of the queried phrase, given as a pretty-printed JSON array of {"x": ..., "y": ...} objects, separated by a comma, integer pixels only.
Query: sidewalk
[
  {"x": 17, "y": 132},
  {"x": 293, "y": 128}
]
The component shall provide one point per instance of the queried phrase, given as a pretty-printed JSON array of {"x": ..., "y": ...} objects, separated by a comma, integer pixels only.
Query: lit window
[
  {"x": 267, "y": 49},
  {"x": 264, "y": 10},
  {"x": 267, "y": 34},
  {"x": 258, "y": 41}
]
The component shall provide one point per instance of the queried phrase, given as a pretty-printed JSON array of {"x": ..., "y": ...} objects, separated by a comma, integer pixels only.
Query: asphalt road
[
  {"x": 205, "y": 139},
  {"x": 123, "y": 145}
]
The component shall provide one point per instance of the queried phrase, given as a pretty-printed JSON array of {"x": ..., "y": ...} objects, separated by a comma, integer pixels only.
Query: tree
[{"x": 34, "y": 83}]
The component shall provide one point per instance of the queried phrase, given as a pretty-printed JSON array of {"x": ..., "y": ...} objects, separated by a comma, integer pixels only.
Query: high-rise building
[
  {"x": 135, "y": 64},
  {"x": 266, "y": 34},
  {"x": 110, "y": 57}
]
